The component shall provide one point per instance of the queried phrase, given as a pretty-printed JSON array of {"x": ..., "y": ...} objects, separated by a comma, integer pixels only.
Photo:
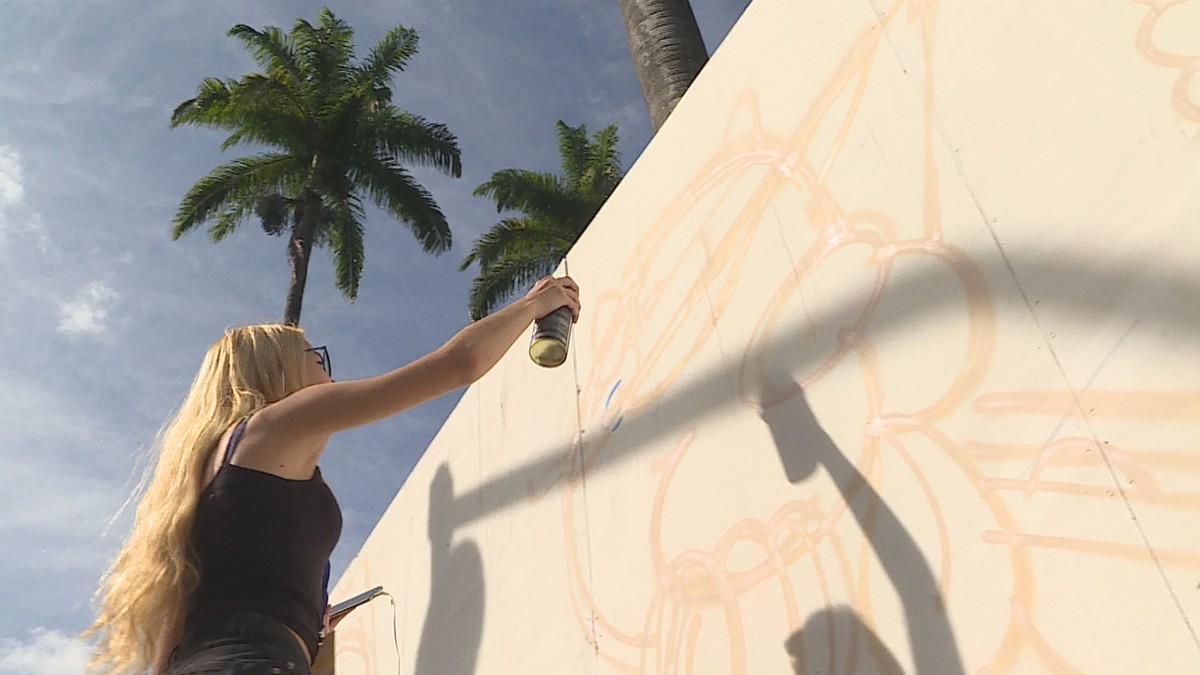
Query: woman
[{"x": 223, "y": 569}]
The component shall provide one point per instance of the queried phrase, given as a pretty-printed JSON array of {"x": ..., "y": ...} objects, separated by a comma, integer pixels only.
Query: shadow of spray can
[{"x": 551, "y": 336}]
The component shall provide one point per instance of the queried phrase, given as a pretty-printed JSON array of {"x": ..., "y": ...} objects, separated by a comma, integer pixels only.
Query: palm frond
[
  {"x": 508, "y": 275},
  {"x": 513, "y": 235},
  {"x": 324, "y": 51},
  {"x": 406, "y": 137},
  {"x": 340, "y": 120},
  {"x": 229, "y": 219},
  {"x": 345, "y": 236},
  {"x": 536, "y": 194},
  {"x": 391, "y": 54},
  {"x": 603, "y": 162},
  {"x": 274, "y": 50},
  {"x": 391, "y": 187},
  {"x": 603, "y": 147},
  {"x": 234, "y": 187},
  {"x": 208, "y": 108},
  {"x": 573, "y": 149},
  {"x": 253, "y": 110},
  {"x": 266, "y": 111}
]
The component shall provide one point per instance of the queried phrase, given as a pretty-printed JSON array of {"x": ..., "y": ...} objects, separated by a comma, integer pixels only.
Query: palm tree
[
  {"x": 334, "y": 139},
  {"x": 554, "y": 210},
  {"x": 668, "y": 51}
]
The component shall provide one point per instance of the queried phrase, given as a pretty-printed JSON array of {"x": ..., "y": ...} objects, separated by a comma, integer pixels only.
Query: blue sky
[{"x": 104, "y": 320}]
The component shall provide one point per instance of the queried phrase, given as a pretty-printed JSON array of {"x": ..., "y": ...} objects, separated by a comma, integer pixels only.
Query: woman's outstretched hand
[{"x": 550, "y": 293}]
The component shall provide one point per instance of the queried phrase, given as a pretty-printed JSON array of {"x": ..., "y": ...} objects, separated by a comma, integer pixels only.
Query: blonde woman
[{"x": 223, "y": 569}]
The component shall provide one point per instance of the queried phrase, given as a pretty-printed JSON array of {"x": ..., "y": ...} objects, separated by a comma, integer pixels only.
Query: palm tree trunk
[
  {"x": 299, "y": 252},
  {"x": 668, "y": 51}
]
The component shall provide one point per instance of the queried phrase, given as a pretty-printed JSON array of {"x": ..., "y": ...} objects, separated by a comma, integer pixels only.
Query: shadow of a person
[
  {"x": 453, "y": 629},
  {"x": 835, "y": 640},
  {"x": 803, "y": 446}
]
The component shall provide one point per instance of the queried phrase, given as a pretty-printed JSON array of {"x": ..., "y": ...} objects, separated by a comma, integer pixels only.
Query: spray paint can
[{"x": 551, "y": 336}]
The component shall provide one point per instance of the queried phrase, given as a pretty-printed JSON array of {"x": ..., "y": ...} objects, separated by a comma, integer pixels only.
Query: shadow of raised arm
[{"x": 803, "y": 446}]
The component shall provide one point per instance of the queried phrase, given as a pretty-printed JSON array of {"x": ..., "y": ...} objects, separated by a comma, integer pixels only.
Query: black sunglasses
[{"x": 322, "y": 353}]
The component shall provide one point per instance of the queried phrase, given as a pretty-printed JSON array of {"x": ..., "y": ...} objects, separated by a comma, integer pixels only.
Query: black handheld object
[{"x": 343, "y": 608}]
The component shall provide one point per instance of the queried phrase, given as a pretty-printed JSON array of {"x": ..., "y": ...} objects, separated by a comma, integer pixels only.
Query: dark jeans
[{"x": 241, "y": 643}]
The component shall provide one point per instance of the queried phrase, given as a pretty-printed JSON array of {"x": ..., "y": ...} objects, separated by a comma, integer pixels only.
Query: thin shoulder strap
[{"x": 234, "y": 438}]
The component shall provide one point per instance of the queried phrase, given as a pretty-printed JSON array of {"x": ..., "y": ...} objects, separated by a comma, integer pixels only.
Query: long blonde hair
[{"x": 148, "y": 582}]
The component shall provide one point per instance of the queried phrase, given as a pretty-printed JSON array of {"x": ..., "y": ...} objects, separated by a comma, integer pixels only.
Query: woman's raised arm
[{"x": 320, "y": 410}]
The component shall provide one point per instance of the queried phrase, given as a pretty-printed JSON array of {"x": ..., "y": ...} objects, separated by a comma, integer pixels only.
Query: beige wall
[{"x": 889, "y": 360}]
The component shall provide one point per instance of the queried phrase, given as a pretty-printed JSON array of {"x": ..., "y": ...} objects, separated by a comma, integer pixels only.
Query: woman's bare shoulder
[{"x": 264, "y": 446}]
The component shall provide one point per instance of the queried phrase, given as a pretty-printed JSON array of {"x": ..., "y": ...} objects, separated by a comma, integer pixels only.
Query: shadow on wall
[
  {"x": 914, "y": 296},
  {"x": 803, "y": 446},
  {"x": 835, "y": 640},
  {"x": 453, "y": 627}
]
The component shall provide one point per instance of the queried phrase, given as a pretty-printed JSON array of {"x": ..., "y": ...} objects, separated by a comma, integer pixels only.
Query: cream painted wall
[{"x": 889, "y": 361}]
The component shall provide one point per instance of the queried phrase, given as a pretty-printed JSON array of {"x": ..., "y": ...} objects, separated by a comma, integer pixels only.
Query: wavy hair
[{"x": 149, "y": 581}]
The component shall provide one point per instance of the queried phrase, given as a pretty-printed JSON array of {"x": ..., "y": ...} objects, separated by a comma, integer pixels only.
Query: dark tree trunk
[
  {"x": 668, "y": 51},
  {"x": 299, "y": 252}
]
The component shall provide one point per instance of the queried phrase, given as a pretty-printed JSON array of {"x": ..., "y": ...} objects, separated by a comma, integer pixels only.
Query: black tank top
[{"x": 262, "y": 543}]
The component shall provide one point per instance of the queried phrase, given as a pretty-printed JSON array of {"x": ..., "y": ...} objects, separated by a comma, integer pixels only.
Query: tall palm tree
[
  {"x": 333, "y": 140},
  {"x": 555, "y": 210},
  {"x": 668, "y": 51}
]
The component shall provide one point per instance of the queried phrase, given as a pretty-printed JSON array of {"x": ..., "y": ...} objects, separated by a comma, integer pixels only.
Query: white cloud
[
  {"x": 47, "y": 652},
  {"x": 11, "y": 191},
  {"x": 88, "y": 310},
  {"x": 16, "y": 219}
]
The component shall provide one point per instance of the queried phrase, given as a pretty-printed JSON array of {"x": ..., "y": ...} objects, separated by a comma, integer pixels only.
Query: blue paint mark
[
  {"x": 608, "y": 401},
  {"x": 610, "y": 394}
]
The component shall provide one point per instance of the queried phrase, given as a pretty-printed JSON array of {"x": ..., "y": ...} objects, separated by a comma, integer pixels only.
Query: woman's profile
[{"x": 224, "y": 568}]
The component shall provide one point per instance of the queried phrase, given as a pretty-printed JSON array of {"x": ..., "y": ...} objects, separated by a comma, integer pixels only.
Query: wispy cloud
[
  {"x": 17, "y": 220},
  {"x": 11, "y": 190},
  {"x": 30, "y": 83},
  {"x": 45, "y": 652},
  {"x": 86, "y": 312}
]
